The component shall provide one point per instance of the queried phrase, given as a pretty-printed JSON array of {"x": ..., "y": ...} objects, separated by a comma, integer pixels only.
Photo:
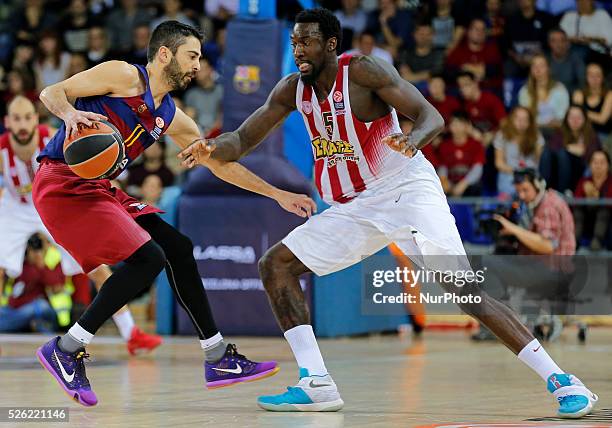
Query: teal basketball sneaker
[
  {"x": 311, "y": 394},
  {"x": 575, "y": 400}
]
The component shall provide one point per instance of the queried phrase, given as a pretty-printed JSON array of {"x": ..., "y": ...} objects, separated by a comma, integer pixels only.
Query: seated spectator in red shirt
[
  {"x": 594, "y": 221},
  {"x": 28, "y": 306},
  {"x": 444, "y": 103},
  {"x": 484, "y": 109},
  {"x": 461, "y": 159},
  {"x": 419, "y": 63},
  {"x": 479, "y": 56}
]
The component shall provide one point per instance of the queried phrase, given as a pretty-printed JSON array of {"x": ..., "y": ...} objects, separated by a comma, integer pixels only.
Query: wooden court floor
[{"x": 384, "y": 381}]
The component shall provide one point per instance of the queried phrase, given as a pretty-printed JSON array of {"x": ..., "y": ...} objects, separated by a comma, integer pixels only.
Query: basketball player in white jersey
[
  {"x": 19, "y": 147},
  {"x": 382, "y": 190}
]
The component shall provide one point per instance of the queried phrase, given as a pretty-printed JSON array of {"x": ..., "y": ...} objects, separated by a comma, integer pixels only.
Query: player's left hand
[
  {"x": 199, "y": 151},
  {"x": 400, "y": 143},
  {"x": 301, "y": 205}
]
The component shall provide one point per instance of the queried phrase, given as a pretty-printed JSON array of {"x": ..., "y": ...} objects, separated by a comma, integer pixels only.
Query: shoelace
[
  {"x": 80, "y": 367},
  {"x": 234, "y": 351}
]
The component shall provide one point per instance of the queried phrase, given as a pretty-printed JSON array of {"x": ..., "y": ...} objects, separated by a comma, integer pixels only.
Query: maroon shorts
[{"x": 93, "y": 221}]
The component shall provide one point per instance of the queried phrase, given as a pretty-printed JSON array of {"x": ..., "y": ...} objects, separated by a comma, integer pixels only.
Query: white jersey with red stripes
[
  {"x": 349, "y": 154},
  {"x": 18, "y": 175}
]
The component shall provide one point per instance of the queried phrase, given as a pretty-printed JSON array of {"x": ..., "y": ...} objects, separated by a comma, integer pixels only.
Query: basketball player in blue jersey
[
  {"x": 382, "y": 190},
  {"x": 99, "y": 224}
]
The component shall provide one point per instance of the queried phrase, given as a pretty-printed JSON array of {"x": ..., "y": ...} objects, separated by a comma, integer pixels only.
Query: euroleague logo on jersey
[{"x": 338, "y": 102}]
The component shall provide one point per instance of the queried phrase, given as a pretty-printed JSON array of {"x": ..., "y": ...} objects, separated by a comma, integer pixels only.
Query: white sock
[
  {"x": 211, "y": 341},
  {"x": 80, "y": 334},
  {"x": 538, "y": 360},
  {"x": 304, "y": 346},
  {"x": 125, "y": 324}
]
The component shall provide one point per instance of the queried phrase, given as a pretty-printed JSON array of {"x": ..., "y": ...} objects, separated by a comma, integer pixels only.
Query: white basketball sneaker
[
  {"x": 311, "y": 394},
  {"x": 575, "y": 400}
]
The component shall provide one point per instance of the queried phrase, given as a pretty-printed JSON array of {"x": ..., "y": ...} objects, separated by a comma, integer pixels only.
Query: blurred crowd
[{"x": 520, "y": 83}]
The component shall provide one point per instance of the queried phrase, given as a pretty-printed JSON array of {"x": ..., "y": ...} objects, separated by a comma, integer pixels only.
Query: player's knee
[
  {"x": 150, "y": 254},
  {"x": 272, "y": 261}
]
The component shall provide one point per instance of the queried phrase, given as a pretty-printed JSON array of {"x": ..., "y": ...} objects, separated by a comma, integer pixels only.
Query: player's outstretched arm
[
  {"x": 111, "y": 77},
  {"x": 384, "y": 79},
  {"x": 185, "y": 133},
  {"x": 231, "y": 146}
]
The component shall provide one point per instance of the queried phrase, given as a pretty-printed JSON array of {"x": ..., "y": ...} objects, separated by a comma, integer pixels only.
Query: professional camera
[{"x": 487, "y": 225}]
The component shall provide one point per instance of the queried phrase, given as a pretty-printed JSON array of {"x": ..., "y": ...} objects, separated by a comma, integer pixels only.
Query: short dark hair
[
  {"x": 465, "y": 73},
  {"x": 328, "y": 23},
  {"x": 171, "y": 34},
  {"x": 462, "y": 116}
]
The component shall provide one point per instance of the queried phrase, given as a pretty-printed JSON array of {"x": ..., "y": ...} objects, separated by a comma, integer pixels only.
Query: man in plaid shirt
[{"x": 547, "y": 224}]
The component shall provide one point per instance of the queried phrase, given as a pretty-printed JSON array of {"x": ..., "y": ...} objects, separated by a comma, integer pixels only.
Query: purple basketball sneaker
[
  {"x": 234, "y": 368},
  {"x": 68, "y": 370}
]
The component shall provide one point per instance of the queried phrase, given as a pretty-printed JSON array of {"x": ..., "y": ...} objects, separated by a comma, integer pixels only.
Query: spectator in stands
[
  {"x": 78, "y": 63},
  {"x": 484, "y": 109},
  {"x": 569, "y": 150},
  {"x": 153, "y": 163},
  {"x": 206, "y": 98},
  {"x": 479, "y": 56},
  {"x": 495, "y": 20},
  {"x": 596, "y": 98},
  {"x": 75, "y": 25},
  {"x": 352, "y": 17},
  {"x": 418, "y": 63},
  {"x": 23, "y": 59},
  {"x": 172, "y": 12},
  {"x": 366, "y": 45},
  {"x": 221, "y": 9},
  {"x": 525, "y": 37},
  {"x": 566, "y": 66},
  {"x": 437, "y": 96},
  {"x": 448, "y": 24},
  {"x": 98, "y": 46},
  {"x": 121, "y": 22},
  {"x": 215, "y": 47},
  {"x": 588, "y": 28},
  {"x": 140, "y": 41},
  {"x": 151, "y": 189},
  {"x": 51, "y": 62},
  {"x": 18, "y": 84},
  {"x": 461, "y": 159},
  {"x": 392, "y": 26},
  {"x": 518, "y": 144},
  {"x": 27, "y": 304},
  {"x": 547, "y": 99},
  {"x": 31, "y": 19},
  {"x": 594, "y": 221}
]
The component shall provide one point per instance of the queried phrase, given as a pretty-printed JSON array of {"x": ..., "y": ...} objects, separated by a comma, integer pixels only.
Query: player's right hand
[
  {"x": 197, "y": 152},
  {"x": 73, "y": 119},
  {"x": 400, "y": 143}
]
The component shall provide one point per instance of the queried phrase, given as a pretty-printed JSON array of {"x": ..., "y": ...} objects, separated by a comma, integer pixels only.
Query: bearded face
[{"x": 176, "y": 78}]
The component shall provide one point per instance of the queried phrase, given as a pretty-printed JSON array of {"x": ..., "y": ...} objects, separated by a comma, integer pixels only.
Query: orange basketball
[{"x": 95, "y": 151}]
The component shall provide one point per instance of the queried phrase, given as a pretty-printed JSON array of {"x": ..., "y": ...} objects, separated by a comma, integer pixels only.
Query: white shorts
[
  {"x": 17, "y": 223},
  {"x": 408, "y": 209}
]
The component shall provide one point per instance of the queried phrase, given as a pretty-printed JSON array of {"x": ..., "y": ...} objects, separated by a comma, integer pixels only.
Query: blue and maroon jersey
[{"x": 136, "y": 118}]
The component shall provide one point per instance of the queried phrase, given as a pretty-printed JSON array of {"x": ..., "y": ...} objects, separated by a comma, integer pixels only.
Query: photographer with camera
[
  {"x": 28, "y": 307},
  {"x": 544, "y": 230},
  {"x": 546, "y": 224}
]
